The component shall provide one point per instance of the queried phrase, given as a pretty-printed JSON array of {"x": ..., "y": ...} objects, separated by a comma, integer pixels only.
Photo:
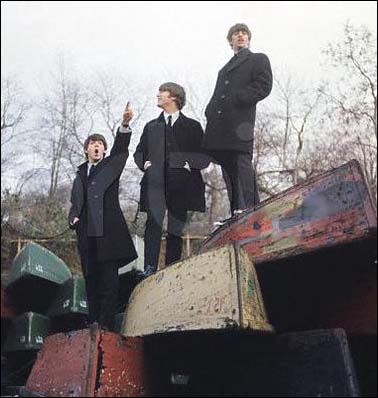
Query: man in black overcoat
[
  {"x": 169, "y": 154},
  {"x": 245, "y": 80},
  {"x": 104, "y": 241}
]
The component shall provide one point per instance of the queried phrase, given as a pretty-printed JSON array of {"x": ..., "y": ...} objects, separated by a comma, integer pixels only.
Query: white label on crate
[
  {"x": 22, "y": 339},
  {"x": 39, "y": 339},
  {"x": 83, "y": 303},
  {"x": 66, "y": 303},
  {"x": 39, "y": 267}
]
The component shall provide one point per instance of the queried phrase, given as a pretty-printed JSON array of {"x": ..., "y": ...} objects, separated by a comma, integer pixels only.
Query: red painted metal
[
  {"x": 66, "y": 366},
  {"x": 122, "y": 371},
  {"x": 90, "y": 363},
  {"x": 331, "y": 209}
]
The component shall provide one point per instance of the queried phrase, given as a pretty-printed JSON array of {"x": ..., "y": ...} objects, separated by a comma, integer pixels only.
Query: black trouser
[
  {"x": 240, "y": 178},
  {"x": 102, "y": 283},
  {"x": 152, "y": 236}
]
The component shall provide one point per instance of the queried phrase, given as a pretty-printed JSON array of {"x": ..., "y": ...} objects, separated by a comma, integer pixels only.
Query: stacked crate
[
  {"x": 35, "y": 278},
  {"x": 281, "y": 301}
]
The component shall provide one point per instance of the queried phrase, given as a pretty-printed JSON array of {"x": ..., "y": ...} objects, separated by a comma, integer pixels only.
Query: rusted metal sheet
[
  {"x": 217, "y": 289},
  {"x": 88, "y": 363},
  {"x": 67, "y": 365},
  {"x": 331, "y": 209},
  {"x": 123, "y": 368}
]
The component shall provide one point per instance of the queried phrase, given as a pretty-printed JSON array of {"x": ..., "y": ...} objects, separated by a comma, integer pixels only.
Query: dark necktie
[
  {"x": 169, "y": 124},
  {"x": 91, "y": 170}
]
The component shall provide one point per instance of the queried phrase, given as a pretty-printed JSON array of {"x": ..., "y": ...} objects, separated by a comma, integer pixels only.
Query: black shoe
[
  {"x": 139, "y": 275},
  {"x": 149, "y": 270}
]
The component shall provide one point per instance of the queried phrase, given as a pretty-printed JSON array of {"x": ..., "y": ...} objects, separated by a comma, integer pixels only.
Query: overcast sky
[
  {"x": 170, "y": 39},
  {"x": 153, "y": 42}
]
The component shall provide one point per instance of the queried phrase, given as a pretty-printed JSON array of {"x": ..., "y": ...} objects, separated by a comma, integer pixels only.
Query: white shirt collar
[
  {"x": 175, "y": 116},
  {"x": 91, "y": 165}
]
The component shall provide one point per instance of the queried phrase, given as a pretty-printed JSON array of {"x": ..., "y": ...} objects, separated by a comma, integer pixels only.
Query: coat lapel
[
  {"x": 83, "y": 171},
  {"x": 160, "y": 126},
  {"x": 244, "y": 55}
]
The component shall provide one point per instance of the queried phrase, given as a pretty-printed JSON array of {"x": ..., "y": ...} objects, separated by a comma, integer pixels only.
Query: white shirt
[{"x": 175, "y": 116}]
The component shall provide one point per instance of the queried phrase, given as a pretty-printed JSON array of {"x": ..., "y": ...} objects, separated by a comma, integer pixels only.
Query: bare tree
[
  {"x": 66, "y": 118},
  {"x": 286, "y": 134},
  {"x": 352, "y": 99},
  {"x": 14, "y": 108},
  {"x": 110, "y": 93}
]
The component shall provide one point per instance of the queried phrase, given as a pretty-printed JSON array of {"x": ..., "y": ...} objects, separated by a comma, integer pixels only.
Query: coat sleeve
[
  {"x": 261, "y": 82},
  {"x": 121, "y": 144},
  {"x": 77, "y": 200},
  {"x": 140, "y": 156},
  {"x": 118, "y": 154}
]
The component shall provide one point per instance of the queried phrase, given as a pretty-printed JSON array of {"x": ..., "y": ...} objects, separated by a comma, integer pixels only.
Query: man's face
[
  {"x": 95, "y": 151},
  {"x": 239, "y": 40},
  {"x": 164, "y": 99}
]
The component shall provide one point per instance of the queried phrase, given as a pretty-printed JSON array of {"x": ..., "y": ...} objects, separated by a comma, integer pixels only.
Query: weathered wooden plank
[
  {"x": 217, "y": 289},
  {"x": 331, "y": 209}
]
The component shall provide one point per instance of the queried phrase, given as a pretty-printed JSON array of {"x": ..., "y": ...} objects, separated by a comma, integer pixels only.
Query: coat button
[
  {"x": 93, "y": 183},
  {"x": 95, "y": 196},
  {"x": 219, "y": 112},
  {"x": 223, "y": 96},
  {"x": 226, "y": 81}
]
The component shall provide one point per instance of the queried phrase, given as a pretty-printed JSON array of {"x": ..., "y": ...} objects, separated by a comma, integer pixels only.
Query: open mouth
[{"x": 96, "y": 151}]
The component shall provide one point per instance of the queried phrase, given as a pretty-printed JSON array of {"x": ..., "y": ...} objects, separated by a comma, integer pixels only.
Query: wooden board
[
  {"x": 217, "y": 289},
  {"x": 328, "y": 210}
]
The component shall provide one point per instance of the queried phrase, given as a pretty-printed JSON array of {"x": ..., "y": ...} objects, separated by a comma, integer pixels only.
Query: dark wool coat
[
  {"x": 95, "y": 202},
  {"x": 187, "y": 189},
  {"x": 242, "y": 82}
]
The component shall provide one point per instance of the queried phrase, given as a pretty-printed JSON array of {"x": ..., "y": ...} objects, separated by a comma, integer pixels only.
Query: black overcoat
[
  {"x": 231, "y": 112},
  {"x": 95, "y": 201},
  {"x": 190, "y": 194}
]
